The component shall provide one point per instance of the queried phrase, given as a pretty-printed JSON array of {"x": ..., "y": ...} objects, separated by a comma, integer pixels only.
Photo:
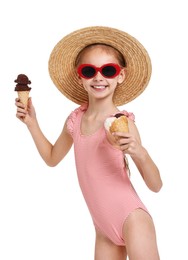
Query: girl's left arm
[
  {"x": 148, "y": 170},
  {"x": 130, "y": 143}
]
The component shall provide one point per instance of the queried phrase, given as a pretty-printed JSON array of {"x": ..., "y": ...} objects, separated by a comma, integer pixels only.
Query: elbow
[
  {"x": 157, "y": 187},
  {"x": 156, "y": 190},
  {"x": 51, "y": 163}
]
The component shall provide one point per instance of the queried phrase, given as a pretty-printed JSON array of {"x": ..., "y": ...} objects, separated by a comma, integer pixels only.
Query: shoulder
[
  {"x": 132, "y": 126},
  {"x": 73, "y": 116},
  {"x": 129, "y": 115}
]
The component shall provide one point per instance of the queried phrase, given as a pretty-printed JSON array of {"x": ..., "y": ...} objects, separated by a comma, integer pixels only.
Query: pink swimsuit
[{"x": 103, "y": 178}]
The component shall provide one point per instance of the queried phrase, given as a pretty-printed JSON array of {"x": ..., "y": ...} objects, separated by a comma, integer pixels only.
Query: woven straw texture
[{"x": 62, "y": 63}]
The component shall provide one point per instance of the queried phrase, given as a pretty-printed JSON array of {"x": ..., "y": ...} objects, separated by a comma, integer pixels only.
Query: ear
[{"x": 121, "y": 76}]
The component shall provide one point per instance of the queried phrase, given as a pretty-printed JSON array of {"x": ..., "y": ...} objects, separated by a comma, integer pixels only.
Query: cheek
[
  {"x": 85, "y": 84},
  {"x": 114, "y": 82}
]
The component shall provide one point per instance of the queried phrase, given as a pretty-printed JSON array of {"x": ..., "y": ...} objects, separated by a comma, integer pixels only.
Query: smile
[{"x": 99, "y": 87}]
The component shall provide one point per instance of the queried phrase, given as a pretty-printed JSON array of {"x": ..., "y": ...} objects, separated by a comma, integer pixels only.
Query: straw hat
[{"x": 62, "y": 63}]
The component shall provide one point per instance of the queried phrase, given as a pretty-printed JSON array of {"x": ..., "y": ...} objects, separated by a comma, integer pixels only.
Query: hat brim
[{"x": 62, "y": 63}]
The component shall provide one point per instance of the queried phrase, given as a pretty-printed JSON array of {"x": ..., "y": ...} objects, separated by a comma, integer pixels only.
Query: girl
[{"x": 100, "y": 68}]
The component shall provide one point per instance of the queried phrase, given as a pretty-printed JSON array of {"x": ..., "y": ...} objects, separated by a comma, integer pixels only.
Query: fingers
[
  {"x": 124, "y": 145},
  {"x": 29, "y": 102},
  {"x": 123, "y": 141},
  {"x": 19, "y": 104},
  {"x": 126, "y": 142},
  {"x": 121, "y": 134},
  {"x": 21, "y": 109},
  {"x": 21, "y": 115}
]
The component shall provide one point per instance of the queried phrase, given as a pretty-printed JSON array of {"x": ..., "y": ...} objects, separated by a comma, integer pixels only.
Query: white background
[{"x": 42, "y": 213}]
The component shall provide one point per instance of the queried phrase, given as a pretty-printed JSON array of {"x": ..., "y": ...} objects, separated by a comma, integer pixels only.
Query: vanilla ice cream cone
[{"x": 120, "y": 124}]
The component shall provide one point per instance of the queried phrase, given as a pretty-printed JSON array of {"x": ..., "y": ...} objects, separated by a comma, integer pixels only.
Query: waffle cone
[
  {"x": 23, "y": 96},
  {"x": 119, "y": 125}
]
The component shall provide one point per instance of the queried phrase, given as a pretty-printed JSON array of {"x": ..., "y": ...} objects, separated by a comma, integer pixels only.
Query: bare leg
[
  {"x": 106, "y": 250},
  {"x": 140, "y": 237}
]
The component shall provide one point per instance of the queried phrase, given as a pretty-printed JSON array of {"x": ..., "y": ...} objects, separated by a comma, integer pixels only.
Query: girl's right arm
[{"x": 51, "y": 154}]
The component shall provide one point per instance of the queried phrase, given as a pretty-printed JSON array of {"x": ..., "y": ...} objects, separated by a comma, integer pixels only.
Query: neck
[{"x": 101, "y": 108}]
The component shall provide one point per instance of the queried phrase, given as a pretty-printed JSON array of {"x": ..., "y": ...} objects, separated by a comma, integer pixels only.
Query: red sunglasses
[{"x": 88, "y": 71}]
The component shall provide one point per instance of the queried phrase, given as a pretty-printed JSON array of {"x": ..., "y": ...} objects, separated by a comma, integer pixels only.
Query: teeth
[{"x": 99, "y": 87}]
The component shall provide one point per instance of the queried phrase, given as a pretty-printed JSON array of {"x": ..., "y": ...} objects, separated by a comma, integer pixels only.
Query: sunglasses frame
[{"x": 98, "y": 69}]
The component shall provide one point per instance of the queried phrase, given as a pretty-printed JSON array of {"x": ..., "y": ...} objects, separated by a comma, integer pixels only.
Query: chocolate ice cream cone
[
  {"x": 22, "y": 88},
  {"x": 23, "y": 96}
]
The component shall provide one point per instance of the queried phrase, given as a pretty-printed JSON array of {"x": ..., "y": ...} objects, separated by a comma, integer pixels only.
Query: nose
[{"x": 98, "y": 76}]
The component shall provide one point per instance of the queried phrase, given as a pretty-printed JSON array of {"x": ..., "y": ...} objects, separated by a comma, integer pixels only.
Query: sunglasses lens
[
  {"x": 88, "y": 72},
  {"x": 109, "y": 71}
]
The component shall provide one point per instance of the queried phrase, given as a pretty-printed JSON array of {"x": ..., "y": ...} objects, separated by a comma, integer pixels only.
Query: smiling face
[{"x": 99, "y": 86}]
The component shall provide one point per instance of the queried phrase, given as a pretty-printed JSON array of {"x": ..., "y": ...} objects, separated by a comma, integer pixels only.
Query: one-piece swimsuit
[{"x": 103, "y": 178}]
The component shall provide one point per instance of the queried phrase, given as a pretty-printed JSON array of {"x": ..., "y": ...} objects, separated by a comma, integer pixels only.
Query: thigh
[
  {"x": 105, "y": 249},
  {"x": 140, "y": 236}
]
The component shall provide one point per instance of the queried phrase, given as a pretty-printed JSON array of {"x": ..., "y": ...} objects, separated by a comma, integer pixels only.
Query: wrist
[
  {"x": 32, "y": 124},
  {"x": 141, "y": 155}
]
